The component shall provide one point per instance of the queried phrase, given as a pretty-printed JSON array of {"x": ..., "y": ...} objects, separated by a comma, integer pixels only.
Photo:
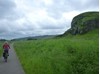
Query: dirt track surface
[{"x": 13, "y": 65}]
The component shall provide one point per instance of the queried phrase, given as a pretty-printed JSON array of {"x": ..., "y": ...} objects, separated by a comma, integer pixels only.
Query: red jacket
[{"x": 6, "y": 46}]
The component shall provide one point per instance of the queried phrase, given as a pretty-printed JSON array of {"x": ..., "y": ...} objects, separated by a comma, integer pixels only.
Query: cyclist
[{"x": 6, "y": 47}]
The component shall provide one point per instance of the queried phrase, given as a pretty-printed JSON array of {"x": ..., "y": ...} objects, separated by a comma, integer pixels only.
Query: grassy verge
[
  {"x": 1, "y": 49},
  {"x": 66, "y": 55}
]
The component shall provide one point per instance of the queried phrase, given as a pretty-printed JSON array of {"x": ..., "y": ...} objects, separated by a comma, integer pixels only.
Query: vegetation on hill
[{"x": 1, "y": 49}]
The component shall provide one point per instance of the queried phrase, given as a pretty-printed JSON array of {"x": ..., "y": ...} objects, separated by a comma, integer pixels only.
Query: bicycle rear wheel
[{"x": 5, "y": 56}]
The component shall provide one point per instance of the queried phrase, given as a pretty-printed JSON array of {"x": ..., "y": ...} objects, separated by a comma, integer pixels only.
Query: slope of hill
[{"x": 77, "y": 54}]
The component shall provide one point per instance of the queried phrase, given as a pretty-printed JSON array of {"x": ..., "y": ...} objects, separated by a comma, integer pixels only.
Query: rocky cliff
[{"x": 84, "y": 23}]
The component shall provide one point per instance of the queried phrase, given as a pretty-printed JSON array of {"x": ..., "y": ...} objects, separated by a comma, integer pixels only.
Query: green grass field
[
  {"x": 1, "y": 48},
  {"x": 66, "y": 55}
]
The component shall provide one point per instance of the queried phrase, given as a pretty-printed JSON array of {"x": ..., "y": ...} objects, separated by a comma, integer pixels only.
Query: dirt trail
[{"x": 13, "y": 65}]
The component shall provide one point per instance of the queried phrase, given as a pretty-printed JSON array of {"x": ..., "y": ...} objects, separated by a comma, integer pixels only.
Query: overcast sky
[{"x": 21, "y": 18}]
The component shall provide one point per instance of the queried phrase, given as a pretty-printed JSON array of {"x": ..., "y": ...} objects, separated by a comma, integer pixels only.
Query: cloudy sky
[{"x": 22, "y": 18}]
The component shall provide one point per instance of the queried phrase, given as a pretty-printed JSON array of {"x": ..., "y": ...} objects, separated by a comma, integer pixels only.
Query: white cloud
[
  {"x": 69, "y": 15},
  {"x": 48, "y": 2}
]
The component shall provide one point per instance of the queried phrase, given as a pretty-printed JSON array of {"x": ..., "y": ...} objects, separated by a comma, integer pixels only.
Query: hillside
[
  {"x": 84, "y": 23},
  {"x": 77, "y": 54},
  {"x": 34, "y": 37}
]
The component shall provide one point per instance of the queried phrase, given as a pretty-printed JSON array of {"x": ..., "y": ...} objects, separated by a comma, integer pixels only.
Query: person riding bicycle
[{"x": 6, "y": 48}]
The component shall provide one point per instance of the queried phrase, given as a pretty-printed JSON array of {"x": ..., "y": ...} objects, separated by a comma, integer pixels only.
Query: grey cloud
[
  {"x": 9, "y": 11},
  {"x": 6, "y": 8},
  {"x": 53, "y": 24},
  {"x": 51, "y": 31},
  {"x": 11, "y": 35},
  {"x": 50, "y": 25},
  {"x": 85, "y": 4},
  {"x": 60, "y": 6}
]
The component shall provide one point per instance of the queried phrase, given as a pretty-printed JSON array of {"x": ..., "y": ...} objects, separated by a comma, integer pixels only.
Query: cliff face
[{"x": 83, "y": 23}]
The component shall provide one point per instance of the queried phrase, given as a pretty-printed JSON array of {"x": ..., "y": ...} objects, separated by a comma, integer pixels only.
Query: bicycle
[{"x": 5, "y": 55}]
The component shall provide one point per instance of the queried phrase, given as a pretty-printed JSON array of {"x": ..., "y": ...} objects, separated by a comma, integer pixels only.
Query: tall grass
[
  {"x": 66, "y": 55},
  {"x": 1, "y": 48}
]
